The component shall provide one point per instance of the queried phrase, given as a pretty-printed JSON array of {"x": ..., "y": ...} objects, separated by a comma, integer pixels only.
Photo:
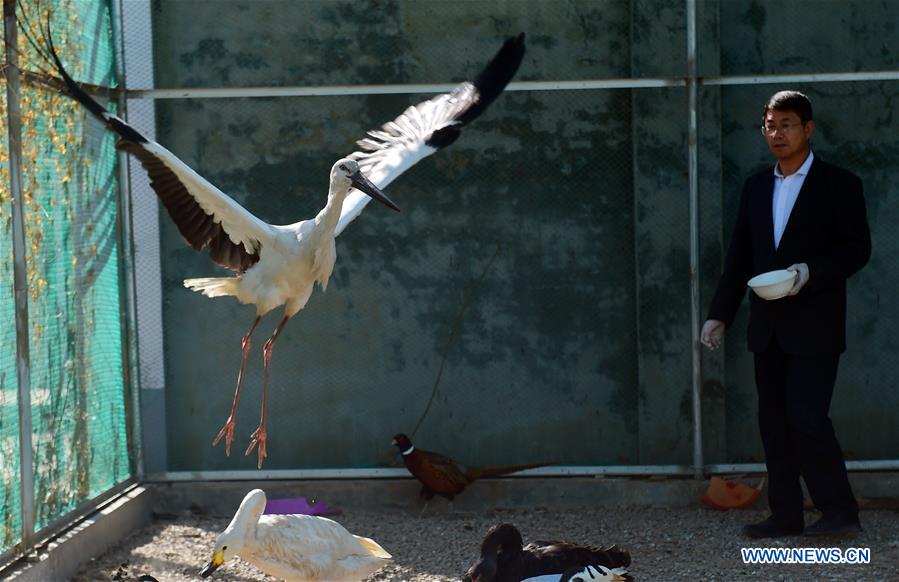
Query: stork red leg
[
  {"x": 227, "y": 431},
  {"x": 259, "y": 435}
]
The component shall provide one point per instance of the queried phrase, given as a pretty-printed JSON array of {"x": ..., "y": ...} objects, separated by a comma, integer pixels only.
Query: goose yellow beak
[{"x": 218, "y": 558}]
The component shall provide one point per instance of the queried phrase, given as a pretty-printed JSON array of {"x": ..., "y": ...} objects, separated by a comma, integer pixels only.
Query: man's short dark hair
[{"x": 793, "y": 101}]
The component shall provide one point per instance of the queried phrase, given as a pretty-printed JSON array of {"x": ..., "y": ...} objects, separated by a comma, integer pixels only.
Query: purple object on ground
[{"x": 297, "y": 505}]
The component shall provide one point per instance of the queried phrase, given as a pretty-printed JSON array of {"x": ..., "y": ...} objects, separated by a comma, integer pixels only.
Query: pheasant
[{"x": 443, "y": 476}]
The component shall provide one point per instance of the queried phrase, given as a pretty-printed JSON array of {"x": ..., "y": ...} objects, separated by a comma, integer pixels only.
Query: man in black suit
[{"x": 806, "y": 216}]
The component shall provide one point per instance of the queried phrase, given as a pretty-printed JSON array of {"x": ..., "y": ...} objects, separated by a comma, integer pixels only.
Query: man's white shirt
[{"x": 786, "y": 189}]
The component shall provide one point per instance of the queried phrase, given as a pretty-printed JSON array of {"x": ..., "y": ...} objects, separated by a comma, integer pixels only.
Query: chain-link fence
[
  {"x": 541, "y": 268},
  {"x": 542, "y": 177},
  {"x": 576, "y": 345},
  {"x": 70, "y": 354},
  {"x": 865, "y": 395}
]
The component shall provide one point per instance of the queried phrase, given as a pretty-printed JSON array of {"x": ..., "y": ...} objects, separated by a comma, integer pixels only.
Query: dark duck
[{"x": 505, "y": 558}]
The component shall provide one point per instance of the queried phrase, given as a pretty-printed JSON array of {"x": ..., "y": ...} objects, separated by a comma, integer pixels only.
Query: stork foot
[
  {"x": 226, "y": 433},
  {"x": 258, "y": 438}
]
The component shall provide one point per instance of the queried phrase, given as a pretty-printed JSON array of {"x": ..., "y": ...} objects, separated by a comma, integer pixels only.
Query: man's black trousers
[{"x": 794, "y": 399}]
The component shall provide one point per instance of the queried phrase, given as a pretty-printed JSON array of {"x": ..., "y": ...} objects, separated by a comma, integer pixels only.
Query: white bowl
[{"x": 773, "y": 284}]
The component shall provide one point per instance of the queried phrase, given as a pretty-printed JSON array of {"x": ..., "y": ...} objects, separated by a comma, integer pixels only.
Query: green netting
[
  {"x": 9, "y": 415},
  {"x": 74, "y": 301}
]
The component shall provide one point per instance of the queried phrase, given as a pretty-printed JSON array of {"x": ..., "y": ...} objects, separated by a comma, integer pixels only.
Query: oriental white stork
[{"x": 278, "y": 265}]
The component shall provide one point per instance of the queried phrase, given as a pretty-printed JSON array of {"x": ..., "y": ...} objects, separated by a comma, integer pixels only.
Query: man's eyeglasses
[{"x": 770, "y": 130}]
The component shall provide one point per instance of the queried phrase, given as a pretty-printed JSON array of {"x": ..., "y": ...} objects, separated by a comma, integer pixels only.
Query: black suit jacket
[{"x": 828, "y": 230}]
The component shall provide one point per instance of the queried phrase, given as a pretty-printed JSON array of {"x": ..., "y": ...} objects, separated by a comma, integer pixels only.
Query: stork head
[
  {"x": 230, "y": 542},
  {"x": 345, "y": 172}
]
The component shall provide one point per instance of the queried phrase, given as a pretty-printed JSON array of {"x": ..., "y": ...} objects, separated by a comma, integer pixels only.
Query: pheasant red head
[{"x": 403, "y": 443}]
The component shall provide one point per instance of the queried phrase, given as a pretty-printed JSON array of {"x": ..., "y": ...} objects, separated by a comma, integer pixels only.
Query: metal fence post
[
  {"x": 126, "y": 263},
  {"x": 692, "y": 172},
  {"x": 23, "y": 363}
]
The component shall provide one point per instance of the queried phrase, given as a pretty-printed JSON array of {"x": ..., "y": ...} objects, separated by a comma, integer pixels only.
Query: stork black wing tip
[
  {"x": 74, "y": 90},
  {"x": 504, "y": 64},
  {"x": 72, "y": 87},
  {"x": 495, "y": 76},
  {"x": 513, "y": 44},
  {"x": 517, "y": 41}
]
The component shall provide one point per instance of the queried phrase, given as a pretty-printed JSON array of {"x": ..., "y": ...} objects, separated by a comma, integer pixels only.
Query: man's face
[{"x": 786, "y": 135}]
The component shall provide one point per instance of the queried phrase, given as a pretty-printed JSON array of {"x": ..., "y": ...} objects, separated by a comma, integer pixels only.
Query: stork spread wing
[
  {"x": 429, "y": 126},
  {"x": 205, "y": 216}
]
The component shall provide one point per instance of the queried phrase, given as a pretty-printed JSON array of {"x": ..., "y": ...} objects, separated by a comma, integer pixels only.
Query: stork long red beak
[{"x": 363, "y": 184}]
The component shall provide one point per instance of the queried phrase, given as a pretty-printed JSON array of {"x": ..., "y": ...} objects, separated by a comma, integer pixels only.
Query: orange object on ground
[{"x": 723, "y": 494}]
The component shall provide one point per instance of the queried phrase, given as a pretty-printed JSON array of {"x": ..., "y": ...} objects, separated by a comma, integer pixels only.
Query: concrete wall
[
  {"x": 576, "y": 346},
  {"x": 855, "y": 128}
]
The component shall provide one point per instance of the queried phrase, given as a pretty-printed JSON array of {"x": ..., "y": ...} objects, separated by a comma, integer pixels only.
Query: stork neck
[{"x": 330, "y": 214}]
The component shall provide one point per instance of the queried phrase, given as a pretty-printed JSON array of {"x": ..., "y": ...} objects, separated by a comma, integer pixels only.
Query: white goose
[
  {"x": 294, "y": 547},
  {"x": 279, "y": 265}
]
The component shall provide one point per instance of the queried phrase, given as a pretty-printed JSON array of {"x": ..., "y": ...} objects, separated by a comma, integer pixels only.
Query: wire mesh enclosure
[
  {"x": 576, "y": 345},
  {"x": 864, "y": 397},
  {"x": 9, "y": 409},
  {"x": 72, "y": 359},
  {"x": 531, "y": 349},
  {"x": 547, "y": 176},
  {"x": 537, "y": 298}
]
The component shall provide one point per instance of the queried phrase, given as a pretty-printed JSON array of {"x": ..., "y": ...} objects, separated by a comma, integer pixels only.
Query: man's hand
[
  {"x": 801, "y": 278},
  {"x": 712, "y": 332}
]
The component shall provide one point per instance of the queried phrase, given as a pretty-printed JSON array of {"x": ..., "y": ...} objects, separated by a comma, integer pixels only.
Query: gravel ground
[{"x": 665, "y": 544}]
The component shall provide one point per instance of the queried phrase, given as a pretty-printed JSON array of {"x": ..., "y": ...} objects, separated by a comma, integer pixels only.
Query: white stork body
[
  {"x": 279, "y": 265},
  {"x": 286, "y": 271},
  {"x": 293, "y": 258}
]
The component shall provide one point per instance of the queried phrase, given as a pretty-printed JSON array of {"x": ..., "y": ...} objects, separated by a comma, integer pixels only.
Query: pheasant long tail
[{"x": 499, "y": 470}]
